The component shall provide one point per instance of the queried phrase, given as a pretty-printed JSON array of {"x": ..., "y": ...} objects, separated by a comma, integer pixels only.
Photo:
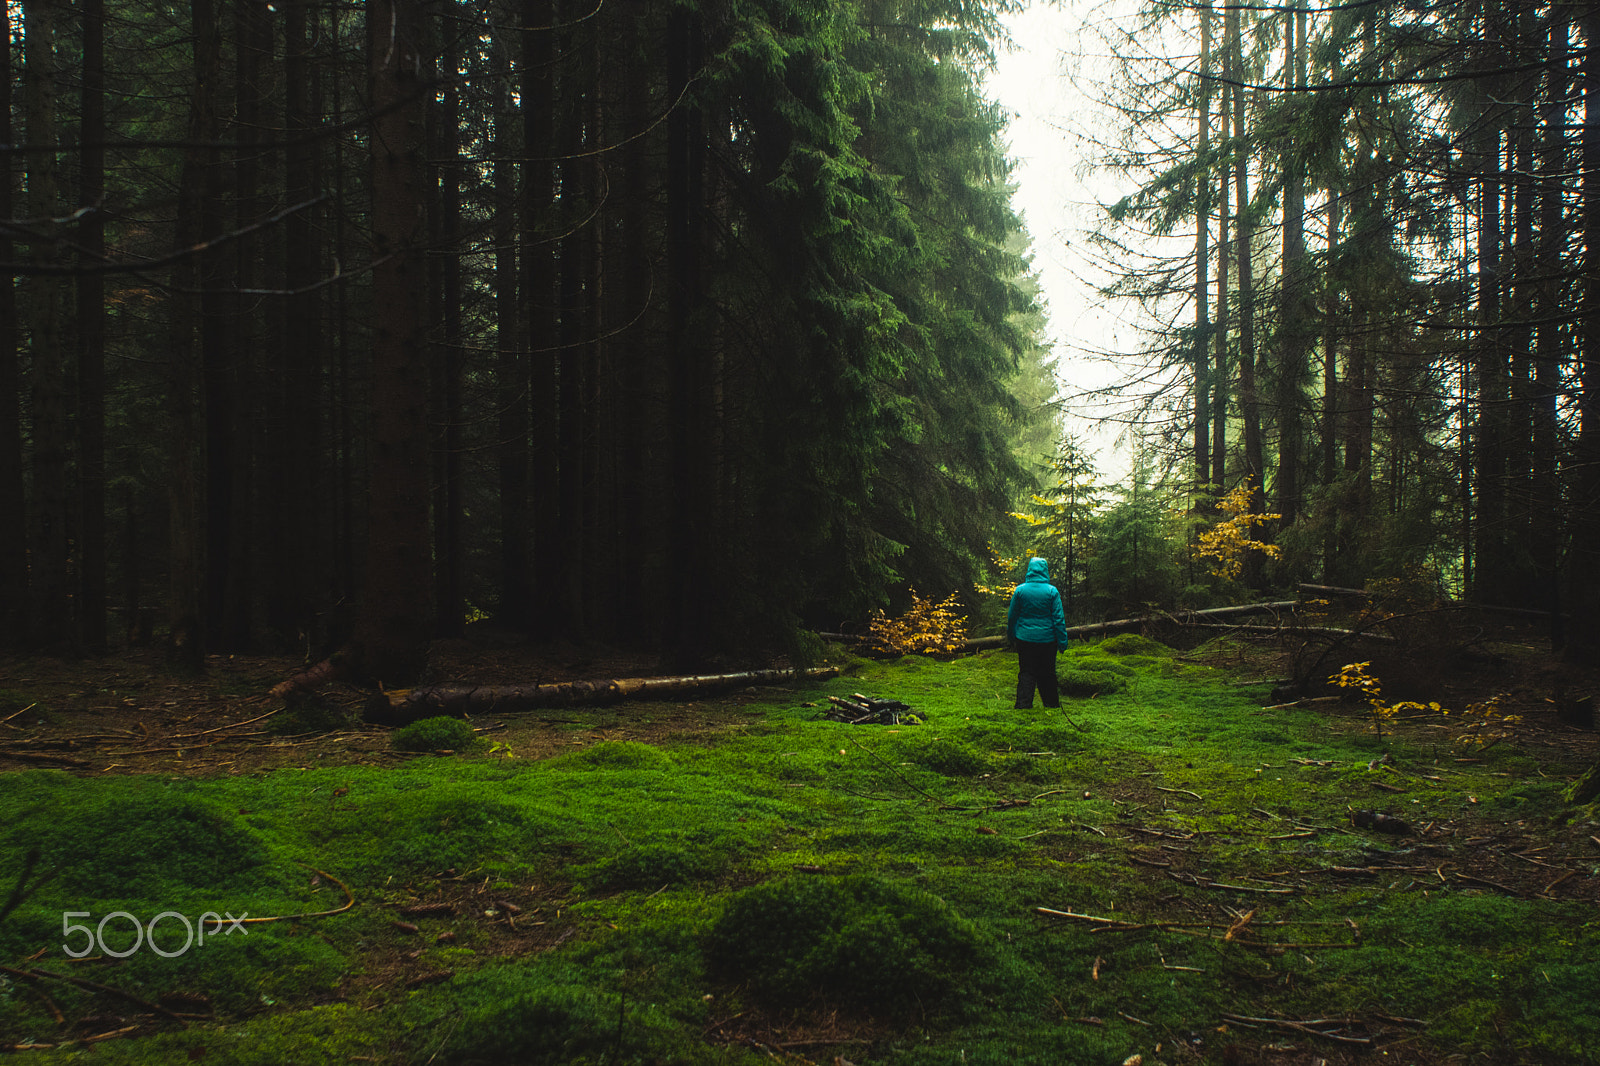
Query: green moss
[
  {"x": 436, "y": 735},
  {"x": 143, "y": 840},
  {"x": 952, "y": 758},
  {"x": 619, "y": 755},
  {"x": 1132, "y": 644},
  {"x": 861, "y": 941},
  {"x": 656, "y": 865},
  {"x": 1087, "y": 684},
  {"x": 895, "y": 874},
  {"x": 309, "y": 713}
]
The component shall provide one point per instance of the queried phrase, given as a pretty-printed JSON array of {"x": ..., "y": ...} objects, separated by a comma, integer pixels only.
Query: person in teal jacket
[{"x": 1038, "y": 626}]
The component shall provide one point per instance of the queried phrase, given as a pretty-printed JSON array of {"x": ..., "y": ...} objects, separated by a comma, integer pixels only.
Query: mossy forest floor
[{"x": 1166, "y": 870}]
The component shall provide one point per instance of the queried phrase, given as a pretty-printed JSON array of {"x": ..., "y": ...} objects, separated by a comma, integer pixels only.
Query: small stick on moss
[
  {"x": 24, "y": 710},
  {"x": 895, "y": 770},
  {"x": 94, "y": 986},
  {"x": 1305, "y": 1026},
  {"x": 1116, "y": 925},
  {"x": 1238, "y": 926},
  {"x": 235, "y": 725},
  {"x": 1491, "y": 884},
  {"x": 1070, "y": 722},
  {"x": 112, "y": 1035},
  {"x": 350, "y": 901},
  {"x": 1149, "y": 862},
  {"x": 1182, "y": 791}
]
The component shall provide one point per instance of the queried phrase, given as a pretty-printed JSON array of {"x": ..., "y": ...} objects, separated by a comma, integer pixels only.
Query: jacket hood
[{"x": 1038, "y": 569}]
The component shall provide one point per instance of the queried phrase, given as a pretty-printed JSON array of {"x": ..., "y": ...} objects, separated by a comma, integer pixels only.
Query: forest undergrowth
[{"x": 1168, "y": 869}]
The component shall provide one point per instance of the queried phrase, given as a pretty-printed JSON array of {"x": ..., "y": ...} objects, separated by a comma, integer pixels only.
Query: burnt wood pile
[{"x": 867, "y": 710}]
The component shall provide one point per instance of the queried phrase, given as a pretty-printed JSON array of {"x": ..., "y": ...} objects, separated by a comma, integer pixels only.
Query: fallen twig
[
  {"x": 350, "y": 901},
  {"x": 94, "y": 986},
  {"x": 24, "y": 710},
  {"x": 235, "y": 725},
  {"x": 896, "y": 771},
  {"x": 1183, "y": 791},
  {"x": 1305, "y": 1026},
  {"x": 1201, "y": 882},
  {"x": 39, "y": 756},
  {"x": 1491, "y": 884}
]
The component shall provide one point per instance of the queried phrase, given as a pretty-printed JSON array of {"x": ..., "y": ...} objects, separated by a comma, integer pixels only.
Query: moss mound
[
  {"x": 435, "y": 734},
  {"x": 1132, "y": 644},
  {"x": 150, "y": 846},
  {"x": 618, "y": 755},
  {"x": 538, "y": 1014},
  {"x": 656, "y": 865},
  {"x": 861, "y": 941},
  {"x": 1084, "y": 684},
  {"x": 952, "y": 758}
]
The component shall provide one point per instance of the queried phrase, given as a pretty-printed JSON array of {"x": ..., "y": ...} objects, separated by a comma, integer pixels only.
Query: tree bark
[
  {"x": 294, "y": 475},
  {"x": 1492, "y": 572},
  {"x": 1550, "y": 344},
  {"x": 688, "y": 615},
  {"x": 1293, "y": 320},
  {"x": 403, "y": 706},
  {"x": 50, "y": 621},
  {"x": 445, "y": 127},
  {"x": 91, "y": 314},
  {"x": 13, "y": 489},
  {"x": 1583, "y": 635},
  {"x": 512, "y": 459},
  {"x": 539, "y": 299},
  {"x": 396, "y": 614},
  {"x": 1202, "y": 274},
  {"x": 1249, "y": 399},
  {"x": 1221, "y": 375}
]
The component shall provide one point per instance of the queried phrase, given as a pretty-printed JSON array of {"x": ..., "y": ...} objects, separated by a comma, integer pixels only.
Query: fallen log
[
  {"x": 1079, "y": 632},
  {"x": 1304, "y": 631},
  {"x": 1328, "y": 591},
  {"x": 403, "y": 706}
]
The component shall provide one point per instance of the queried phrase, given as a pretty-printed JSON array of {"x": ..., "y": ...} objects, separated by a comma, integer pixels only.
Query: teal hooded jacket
[{"x": 1036, "y": 613}]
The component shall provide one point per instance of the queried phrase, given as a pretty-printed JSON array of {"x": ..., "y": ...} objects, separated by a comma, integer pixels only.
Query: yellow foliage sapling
[
  {"x": 1229, "y": 539},
  {"x": 925, "y": 628},
  {"x": 1484, "y": 723}
]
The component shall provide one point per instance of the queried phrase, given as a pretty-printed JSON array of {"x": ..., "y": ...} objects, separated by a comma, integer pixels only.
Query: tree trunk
[
  {"x": 445, "y": 124},
  {"x": 91, "y": 314},
  {"x": 572, "y": 363},
  {"x": 1293, "y": 322},
  {"x": 13, "y": 489},
  {"x": 404, "y": 706},
  {"x": 193, "y": 342},
  {"x": 1249, "y": 405},
  {"x": 1493, "y": 567},
  {"x": 512, "y": 428},
  {"x": 1330, "y": 377},
  {"x": 396, "y": 614},
  {"x": 1202, "y": 275},
  {"x": 1583, "y": 634},
  {"x": 539, "y": 298},
  {"x": 688, "y": 609},
  {"x": 1549, "y": 352},
  {"x": 1221, "y": 365},
  {"x": 50, "y": 621},
  {"x": 293, "y": 470}
]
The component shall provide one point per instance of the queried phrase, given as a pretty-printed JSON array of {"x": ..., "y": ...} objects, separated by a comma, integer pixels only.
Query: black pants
[{"x": 1036, "y": 665}]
